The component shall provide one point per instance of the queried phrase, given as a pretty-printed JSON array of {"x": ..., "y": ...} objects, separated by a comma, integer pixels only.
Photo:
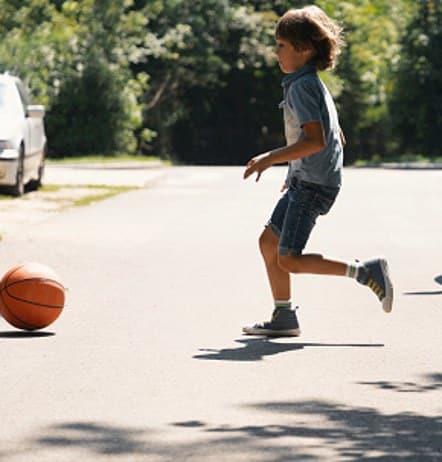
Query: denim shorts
[{"x": 296, "y": 212}]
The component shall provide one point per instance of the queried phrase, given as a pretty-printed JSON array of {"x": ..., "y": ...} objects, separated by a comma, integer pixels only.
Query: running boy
[{"x": 307, "y": 40}]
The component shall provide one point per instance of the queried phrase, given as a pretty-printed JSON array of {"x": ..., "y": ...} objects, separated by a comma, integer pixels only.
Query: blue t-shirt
[{"x": 307, "y": 99}]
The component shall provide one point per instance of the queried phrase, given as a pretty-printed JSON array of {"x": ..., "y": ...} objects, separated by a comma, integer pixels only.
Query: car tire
[
  {"x": 33, "y": 185},
  {"x": 19, "y": 188}
]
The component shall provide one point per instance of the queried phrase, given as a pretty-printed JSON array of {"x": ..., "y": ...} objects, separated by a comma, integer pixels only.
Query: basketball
[{"x": 31, "y": 296}]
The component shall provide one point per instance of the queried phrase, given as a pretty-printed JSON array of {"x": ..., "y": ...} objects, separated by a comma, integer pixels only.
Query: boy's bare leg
[
  {"x": 373, "y": 273},
  {"x": 284, "y": 321},
  {"x": 279, "y": 267},
  {"x": 278, "y": 278},
  {"x": 313, "y": 264}
]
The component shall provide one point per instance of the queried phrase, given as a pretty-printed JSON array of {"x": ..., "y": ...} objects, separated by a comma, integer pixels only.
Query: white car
[{"x": 22, "y": 138}]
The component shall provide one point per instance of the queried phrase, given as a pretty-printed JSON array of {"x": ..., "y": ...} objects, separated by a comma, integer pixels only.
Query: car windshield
[{"x": 7, "y": 103}]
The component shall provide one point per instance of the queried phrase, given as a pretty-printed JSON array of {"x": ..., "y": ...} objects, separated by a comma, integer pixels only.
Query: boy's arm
[{"x": 312, "y": 142}]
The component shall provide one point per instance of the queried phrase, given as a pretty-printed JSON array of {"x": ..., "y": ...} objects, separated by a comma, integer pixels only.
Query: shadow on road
[
  {"x": 96, "y": 438},
  {"x": 438, "y": 280},
  {"x": 434, "y": 382},
  {"x": 255, "y": 349},
  {"x": 287, "y": 431},
  {"x": 24, "y": 334},
  {"x": 425, "y": 292}
]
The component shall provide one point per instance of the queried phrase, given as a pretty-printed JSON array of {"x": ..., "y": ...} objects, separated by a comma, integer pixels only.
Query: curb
[
  {"x": 403, "y": 166},
  {"x": 110, "y": 165}
]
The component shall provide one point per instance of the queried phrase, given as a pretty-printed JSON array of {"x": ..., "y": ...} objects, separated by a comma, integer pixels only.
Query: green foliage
[
  {"x": 96, "y": 107},
  {"x": 196, "y": 81},
  {"x": 417, "y": 97},
  {"x": 180, "y": 55},
  {"x": 365, "y": 70},
  {"x": 75, "y": 55},
  {"x": 210, "y": 100}
]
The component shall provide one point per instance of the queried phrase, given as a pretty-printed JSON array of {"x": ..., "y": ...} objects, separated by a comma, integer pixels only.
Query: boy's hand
[{"x": 258, "y": 164}]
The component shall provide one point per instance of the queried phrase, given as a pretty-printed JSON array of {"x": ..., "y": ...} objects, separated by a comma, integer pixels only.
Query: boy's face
[{"x": 289, "y": 58}]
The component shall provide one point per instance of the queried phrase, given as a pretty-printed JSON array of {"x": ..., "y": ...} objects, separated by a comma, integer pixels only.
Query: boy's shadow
[
  {"x": 437, "y": 279},
  {"x": 256, "y": 349}
]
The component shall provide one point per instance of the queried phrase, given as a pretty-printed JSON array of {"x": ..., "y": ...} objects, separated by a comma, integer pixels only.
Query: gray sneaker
[
  {"x": 284, "y": 323},
  {"x": 374, "y": 274}
]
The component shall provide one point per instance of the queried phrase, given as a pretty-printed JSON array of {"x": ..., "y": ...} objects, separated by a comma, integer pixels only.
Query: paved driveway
[
  {"x": 147, "y": 363},
  {"x": 69, "y": 184},
  {"x": 139, "y": 174}
]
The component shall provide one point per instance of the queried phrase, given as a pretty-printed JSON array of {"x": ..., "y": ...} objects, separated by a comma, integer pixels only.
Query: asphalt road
[{"x": 147, "y": 361}]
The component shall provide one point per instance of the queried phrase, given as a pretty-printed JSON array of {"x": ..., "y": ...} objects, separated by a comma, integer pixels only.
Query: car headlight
[{"x": 5, "y": 144}]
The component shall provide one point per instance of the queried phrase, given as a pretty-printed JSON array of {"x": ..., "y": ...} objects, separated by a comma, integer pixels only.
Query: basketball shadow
[{"x": 24, "y": 334}]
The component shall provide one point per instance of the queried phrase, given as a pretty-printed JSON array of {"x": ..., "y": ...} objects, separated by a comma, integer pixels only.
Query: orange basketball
[{"x": 31, "y": 296}]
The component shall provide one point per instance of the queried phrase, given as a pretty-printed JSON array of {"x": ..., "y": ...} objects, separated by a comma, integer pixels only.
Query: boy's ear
[{"x": 309, "y": 53}]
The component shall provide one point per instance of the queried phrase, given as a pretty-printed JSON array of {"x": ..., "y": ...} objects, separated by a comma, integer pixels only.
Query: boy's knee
[
  {"x": 290, "y": 263},
  {"x": 268, "y": 243}
]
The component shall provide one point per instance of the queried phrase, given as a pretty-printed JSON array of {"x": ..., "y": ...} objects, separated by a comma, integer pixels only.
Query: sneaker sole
[
  {"x": 387, "y": 301},
  {"x": 251, "y": 330}
]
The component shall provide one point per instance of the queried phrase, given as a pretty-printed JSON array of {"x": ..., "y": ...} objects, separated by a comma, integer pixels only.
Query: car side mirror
[{"x": 35, "y": 110}]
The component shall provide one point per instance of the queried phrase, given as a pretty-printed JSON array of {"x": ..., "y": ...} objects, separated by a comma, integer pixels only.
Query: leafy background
[{"x": 195, "y": 81}]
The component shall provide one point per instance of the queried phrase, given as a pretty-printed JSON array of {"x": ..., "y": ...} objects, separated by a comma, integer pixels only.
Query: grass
[
  {"x": 50, "y": 188},
  {"x": 106, "y": 192}
]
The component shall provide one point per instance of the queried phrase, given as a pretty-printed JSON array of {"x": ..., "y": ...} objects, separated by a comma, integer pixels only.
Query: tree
[
  {"x": 239, "y": 99},
  {"x": 203, "y": 70},
  {"x": 180, "y": 50},
  {"x": 197, "y": 81},
  {"x": 372, "y": 29},
  {"x": 417, "y": 96},
  {"x": 75, "y": 56},
  {"x": 233, "y": 120}
]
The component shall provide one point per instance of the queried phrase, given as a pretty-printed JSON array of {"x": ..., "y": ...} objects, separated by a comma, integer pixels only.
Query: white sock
[
  {"x": 352, "y": 270},
  {"x": 283, "y": 304}
]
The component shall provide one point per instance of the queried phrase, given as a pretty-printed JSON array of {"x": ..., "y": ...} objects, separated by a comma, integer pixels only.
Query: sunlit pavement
[
  {"x": 138, "y": 174},
  {"x": 147, "y": 362}
]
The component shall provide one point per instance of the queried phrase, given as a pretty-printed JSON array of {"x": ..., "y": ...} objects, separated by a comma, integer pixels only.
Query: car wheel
[
  {"x": 19, "y": 188},
  {"x": 33, "y": 185}
]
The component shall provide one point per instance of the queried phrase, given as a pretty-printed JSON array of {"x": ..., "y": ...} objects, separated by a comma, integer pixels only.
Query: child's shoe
[
  {"x": 284, "y": 323},
  {"x": 374, "y": 274}
]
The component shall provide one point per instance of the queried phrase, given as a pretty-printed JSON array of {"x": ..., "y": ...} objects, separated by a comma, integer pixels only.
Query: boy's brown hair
[{"x": 310, "y": 28}]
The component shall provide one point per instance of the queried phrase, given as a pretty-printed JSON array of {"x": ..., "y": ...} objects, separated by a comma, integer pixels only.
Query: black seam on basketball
[
  {"x": 31, "y": 302},
  {"x": 11, "y": 273},
  {"x": 37, "y": 278},
  {"x": 29, "y": 327},
  {"x": 58, "y": 307}
]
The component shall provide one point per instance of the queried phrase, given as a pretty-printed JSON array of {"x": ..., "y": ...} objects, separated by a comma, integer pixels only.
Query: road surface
[{"x": 147, "y": 361}]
